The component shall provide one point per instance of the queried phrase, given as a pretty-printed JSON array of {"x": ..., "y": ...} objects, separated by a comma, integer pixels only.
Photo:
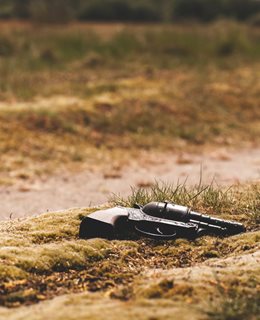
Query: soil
[{"x": 94, "y": 187}]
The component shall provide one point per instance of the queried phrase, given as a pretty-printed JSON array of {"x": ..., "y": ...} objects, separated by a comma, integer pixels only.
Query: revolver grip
[{"x": 102, "y": 223}]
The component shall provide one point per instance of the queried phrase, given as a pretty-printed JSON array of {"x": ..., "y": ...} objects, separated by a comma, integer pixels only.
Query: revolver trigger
[{"x": 159, "y": 231}]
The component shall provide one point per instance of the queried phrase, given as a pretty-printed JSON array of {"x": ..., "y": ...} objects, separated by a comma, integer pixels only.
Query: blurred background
[
  {"x": 83, "y": 81},
  {"x": 60, "y": 11}
]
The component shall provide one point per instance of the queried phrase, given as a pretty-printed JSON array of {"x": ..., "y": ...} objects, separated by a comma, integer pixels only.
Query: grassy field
[
  {"x": 79, "y": 93},
  {"x": 208, "y": 278}
]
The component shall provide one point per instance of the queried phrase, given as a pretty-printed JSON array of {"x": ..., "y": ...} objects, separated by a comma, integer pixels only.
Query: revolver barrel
[
  {"x": 176, "y": 212},
  {"x": 230, "y": 226}
]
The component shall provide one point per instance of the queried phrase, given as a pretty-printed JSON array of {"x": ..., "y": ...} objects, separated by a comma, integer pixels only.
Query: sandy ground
[{"x": 87, "y": 188}]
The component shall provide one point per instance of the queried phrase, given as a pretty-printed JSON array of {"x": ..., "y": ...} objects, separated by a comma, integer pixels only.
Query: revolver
[{"x": 158, "y": 220}]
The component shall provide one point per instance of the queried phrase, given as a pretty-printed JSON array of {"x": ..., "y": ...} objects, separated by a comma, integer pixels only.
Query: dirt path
[{"x": 93, "y": 188}]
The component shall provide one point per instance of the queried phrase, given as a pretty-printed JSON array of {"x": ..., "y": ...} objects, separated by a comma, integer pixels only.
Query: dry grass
[
  {"x": 42, "y": 258},
  {"x": 71, "y": 95},
  {"x": 141, "y": 113}
]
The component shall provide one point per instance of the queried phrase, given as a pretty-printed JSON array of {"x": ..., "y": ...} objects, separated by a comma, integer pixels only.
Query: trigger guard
[{"x": 156, "y": 235}]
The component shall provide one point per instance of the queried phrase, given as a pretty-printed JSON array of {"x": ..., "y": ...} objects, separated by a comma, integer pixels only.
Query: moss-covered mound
[{"x": 42, "y": 258}]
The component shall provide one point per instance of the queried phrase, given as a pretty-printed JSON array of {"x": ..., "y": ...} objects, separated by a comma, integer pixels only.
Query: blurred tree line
[{"x": 61, "y": 11}]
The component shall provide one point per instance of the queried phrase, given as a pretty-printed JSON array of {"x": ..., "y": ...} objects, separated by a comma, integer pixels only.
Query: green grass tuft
[{"x": 233, "y": 201}]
